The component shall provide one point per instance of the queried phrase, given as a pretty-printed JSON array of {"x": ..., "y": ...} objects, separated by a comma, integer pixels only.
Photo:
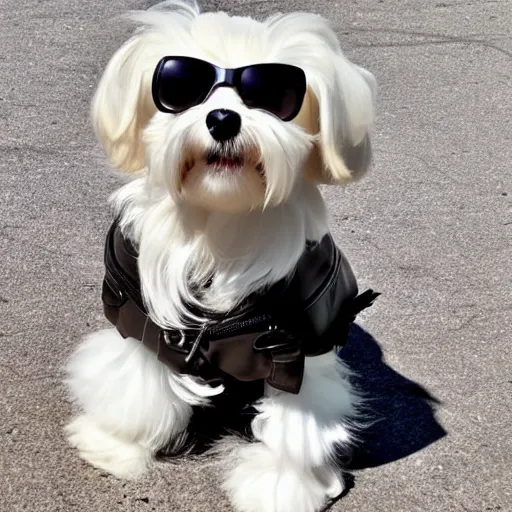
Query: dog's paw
[
  {"x": 259, "y": 483},
  {"x": 333, "y": 482},
  {"x": 105, "y": 451}
]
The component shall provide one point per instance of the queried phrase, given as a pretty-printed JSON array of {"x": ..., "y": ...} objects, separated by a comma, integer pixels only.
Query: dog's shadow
[{"x": 401, "y": 413}]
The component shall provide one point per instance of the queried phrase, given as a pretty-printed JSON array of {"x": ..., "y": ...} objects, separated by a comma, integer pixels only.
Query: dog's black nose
[{"x": 223, "y": 124}]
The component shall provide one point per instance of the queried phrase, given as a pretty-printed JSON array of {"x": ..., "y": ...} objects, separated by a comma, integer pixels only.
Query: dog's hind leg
[
  {"x": 133, "y": 405},
  {"x": 292, "y": 466}
]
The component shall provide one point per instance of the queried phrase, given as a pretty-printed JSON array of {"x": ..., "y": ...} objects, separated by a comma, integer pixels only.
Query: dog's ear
[
  {"x": 339, "y": 103},
  {"x": 122, "y": 105},
  {"x": 343, "y": 105}
]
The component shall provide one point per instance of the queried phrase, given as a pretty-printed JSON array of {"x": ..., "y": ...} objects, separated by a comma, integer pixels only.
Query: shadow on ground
[{"x": 401, "y": 412}]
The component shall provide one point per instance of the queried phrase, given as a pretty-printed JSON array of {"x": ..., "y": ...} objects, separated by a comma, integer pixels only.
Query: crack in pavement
[{"x": 435, "y": 39}]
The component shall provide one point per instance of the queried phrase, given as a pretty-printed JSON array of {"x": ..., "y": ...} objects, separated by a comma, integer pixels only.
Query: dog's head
[{"x": 212, "y": 145}]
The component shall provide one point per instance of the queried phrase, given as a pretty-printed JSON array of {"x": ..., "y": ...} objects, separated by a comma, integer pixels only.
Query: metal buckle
[{"x": 175, "y": 340}]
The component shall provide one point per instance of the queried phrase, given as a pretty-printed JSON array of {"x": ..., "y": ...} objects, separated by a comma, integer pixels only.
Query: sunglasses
[{"x": 180, "y": 83}]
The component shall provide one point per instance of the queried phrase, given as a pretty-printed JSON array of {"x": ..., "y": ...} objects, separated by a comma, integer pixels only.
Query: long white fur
[
  {"x": 235, "y": 229},
  {"x": 293, "y": 466},
  {"x": 133, "y": 404}
]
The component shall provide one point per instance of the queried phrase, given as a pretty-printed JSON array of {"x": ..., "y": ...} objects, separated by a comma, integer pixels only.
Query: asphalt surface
[{"x": 430, "y": 228}]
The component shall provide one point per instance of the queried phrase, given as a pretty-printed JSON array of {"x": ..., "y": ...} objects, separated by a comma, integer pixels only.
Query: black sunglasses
[{"x": 180, "y": 83}]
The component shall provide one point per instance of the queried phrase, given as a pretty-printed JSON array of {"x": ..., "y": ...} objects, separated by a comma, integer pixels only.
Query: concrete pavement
[{"x": 430, "y": 228}]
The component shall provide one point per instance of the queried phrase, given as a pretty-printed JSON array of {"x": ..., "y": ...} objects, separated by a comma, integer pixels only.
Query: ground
[{"x": 430, "y": 228}]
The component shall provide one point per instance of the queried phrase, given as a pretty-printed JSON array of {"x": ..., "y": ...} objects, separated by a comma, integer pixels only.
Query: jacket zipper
[
  {"x": 239, "y": 327},
  {"x": 216, "y": 332}
]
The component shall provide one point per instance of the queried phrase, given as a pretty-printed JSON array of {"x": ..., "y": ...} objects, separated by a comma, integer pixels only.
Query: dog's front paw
[
  {"x": 261, "y": 483},
  {"x": 105, "y": 451}
]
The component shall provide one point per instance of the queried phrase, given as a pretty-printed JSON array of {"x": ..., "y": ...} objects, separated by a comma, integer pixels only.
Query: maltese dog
[{"x": 220, "y": 272}]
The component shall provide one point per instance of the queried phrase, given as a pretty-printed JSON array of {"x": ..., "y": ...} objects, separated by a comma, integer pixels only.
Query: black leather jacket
[{"x": 266, "y": 337}]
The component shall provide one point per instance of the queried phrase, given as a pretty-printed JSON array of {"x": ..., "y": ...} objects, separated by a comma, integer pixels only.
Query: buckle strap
[
  {"x": 279, "y": 356},
  {"x": 286, "y": 359},
  {"x": 287, "y": 369},
  {"x": 188, "y": 342}
]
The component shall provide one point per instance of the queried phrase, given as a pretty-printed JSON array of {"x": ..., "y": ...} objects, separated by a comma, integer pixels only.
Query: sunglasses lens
[
  {"x": 277, "y": 88},
  {"x": 182, "y": 83}
]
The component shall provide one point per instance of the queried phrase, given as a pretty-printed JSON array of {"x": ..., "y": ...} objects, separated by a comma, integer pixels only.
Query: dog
[{"x": 227, "y": 127}]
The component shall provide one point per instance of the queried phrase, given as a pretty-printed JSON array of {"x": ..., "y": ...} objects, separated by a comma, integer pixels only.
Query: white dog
[{"x": 227, "y": 155}]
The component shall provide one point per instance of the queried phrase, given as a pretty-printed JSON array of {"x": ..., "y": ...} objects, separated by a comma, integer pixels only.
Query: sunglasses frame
[{"x": 224, "y": 77}]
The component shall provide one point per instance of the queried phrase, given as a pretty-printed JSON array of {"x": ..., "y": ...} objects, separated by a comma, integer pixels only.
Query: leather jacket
[{"x": 267, "y": 337}]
